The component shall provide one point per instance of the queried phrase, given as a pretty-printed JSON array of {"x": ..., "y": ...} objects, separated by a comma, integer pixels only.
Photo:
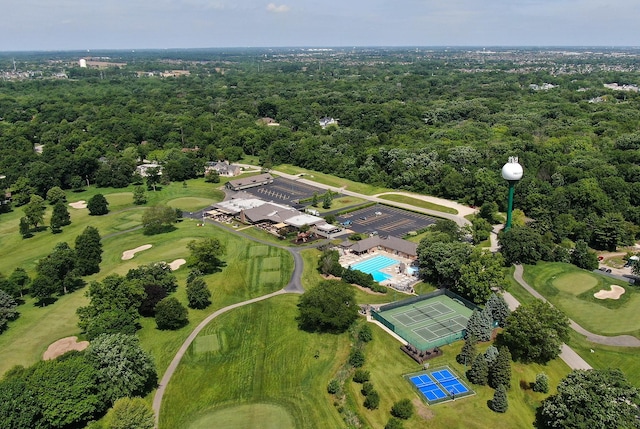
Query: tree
[
  {"x": 403, "y": 409},
  {"x": 171, "y": 314},
  {"x": 77, "y": 184},
  {"x": 489, "y": 212},
  {"x": 483, "y": 273},
  {"x": 67, "y": 391},
  {"x": 154, "y": 293},
  {"x": 479, "y": 372},
  {"x": 8, "y": 310},
  {"x": 327, "y": 199},
  {"x": 479, "y": 325},
  {"x": 34, "y": 211},
  {"x": 599, "y": 399},
  {"x": 498, "y": 308},
  {"x": 441, "y": 262},
  {"x": 130, "y": 413},
  {"x": 198, "y": 294},
  {"x": 315, "y": 199},
  {"x": 535, "y": 332},
  {"x": 153, "y": 177},
  {"x": 139, "y": 196},
  {"x": 329, "y": 263},
  {"x": 59, "y": 217},
  {"x": 584, "y": 258},
  {"x": 205, "y": 255},
  {"x": 542, "y": 383},
  {"x": 20, "y": 280},
  {"x": 123, "y": 367},
  {"x": 212, "y": 176},
  {"x": 491, "y": 354},
  {"x": 394, "y": 423},
  {"x": 158, "y": 273},
  {"x": 500, "y": 370},
  {"x": 56, "y": 194},
  {"x": 333, "y": 387},
  {"x": 19, "y": 406},
  {"x": 328, "y": 307},
  {"x": 158, "y": 219},
  {"x": 523, "y": 245},
  {"x": 42, "y": 289},
  {"x": 25, "y": 229},
  {"x": 59, "y": 269},
  {"x": 468, "y": 351},
  {"x": 88, "y": 251},
  {"x": 500, "y": 403},
  {"x": 480, "y": 230},
  {"x": 98, "y": 205},
  {"x": 448, "y": 227}
]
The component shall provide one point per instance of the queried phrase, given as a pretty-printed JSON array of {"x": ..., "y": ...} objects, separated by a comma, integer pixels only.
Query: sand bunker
[
  {"x": 615, "y": 293},
  {"x": 64, "y": 345},
  {"x": 82, "y": 204},
  {"x": 128, "y": 254},
  {"x": 177, "y": 264}
]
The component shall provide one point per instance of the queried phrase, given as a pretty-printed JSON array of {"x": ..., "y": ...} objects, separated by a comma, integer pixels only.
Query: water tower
[{"x": 511, "y": 172}]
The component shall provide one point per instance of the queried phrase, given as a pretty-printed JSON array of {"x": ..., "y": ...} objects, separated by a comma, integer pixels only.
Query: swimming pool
[{"x": 374, "y": 265}]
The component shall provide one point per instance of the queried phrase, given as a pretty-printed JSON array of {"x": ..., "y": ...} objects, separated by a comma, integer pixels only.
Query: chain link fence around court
[{"x": 444, "y": 334}]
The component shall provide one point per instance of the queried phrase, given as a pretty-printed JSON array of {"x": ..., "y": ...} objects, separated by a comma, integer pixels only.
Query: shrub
[
  {"x": 365, "y": 335},
  {"x": 394, "y": 423},
  {"x": 542, "y": 383},
  {"x": 333, "y": 387},
  {"x": 360, "y": 376},
  {"x": 367, "y": 388},
  {"x": 372, "y": 401},
  {"x": 356, "y": 358},
  {"x": 171, "y": 314},
  {"x": 403, "y": 409}
]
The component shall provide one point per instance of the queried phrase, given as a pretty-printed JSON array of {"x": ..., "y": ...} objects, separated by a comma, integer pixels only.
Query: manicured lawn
[
  {"x": 264, "y": 416},
  {"x": 340, "y": 203},
  {"x": 571, "y": 290},
  {"x": 265, "y": 359},
  {"x": 418, "y": 203}
]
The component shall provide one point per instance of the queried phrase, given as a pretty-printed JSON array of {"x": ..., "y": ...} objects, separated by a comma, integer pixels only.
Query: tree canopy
[
  {"x": 328, "y": 307},
  {"x": 205, "y": 255}
]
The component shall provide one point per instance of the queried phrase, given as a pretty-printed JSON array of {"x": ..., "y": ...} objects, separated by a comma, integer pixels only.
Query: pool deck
[{"x": 399, "y": 281}]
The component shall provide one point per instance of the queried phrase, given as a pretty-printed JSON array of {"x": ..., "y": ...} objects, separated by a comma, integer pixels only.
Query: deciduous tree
[
  {"x": 59, "y": 217},
  {"x": 34, "y": 211},
  {"x": 328, "y": 307},
  {"x": 88, "y": 249},
  {"x": 205, "y": 255},
  {"x": 158, "y": 219},
  {"x": 198, "y": 294},
  {"x": 98, "y": 205},
  {"x": 130, "y": 413},
  {"x": 171, "y": 314}
]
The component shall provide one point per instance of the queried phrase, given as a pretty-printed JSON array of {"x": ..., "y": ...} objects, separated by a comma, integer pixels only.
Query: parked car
[{"x": 347, "y": 223}]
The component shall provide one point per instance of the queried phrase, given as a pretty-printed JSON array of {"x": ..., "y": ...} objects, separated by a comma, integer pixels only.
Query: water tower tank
[
  {"x": 512, "y": 170},
  {"x": 83, "y": 63}
]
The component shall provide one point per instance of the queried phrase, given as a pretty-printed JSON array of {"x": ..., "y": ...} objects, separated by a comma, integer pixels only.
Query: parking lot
[
  {"x": 284, "y": 191},
  {"x": 386, "y": 220}
]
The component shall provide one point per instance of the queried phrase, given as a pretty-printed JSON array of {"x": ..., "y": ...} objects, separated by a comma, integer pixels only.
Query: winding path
[{"x": 618, "y": 340}]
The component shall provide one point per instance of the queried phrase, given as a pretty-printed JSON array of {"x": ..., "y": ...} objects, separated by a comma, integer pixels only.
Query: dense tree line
[{"x": 428, "y": 125}]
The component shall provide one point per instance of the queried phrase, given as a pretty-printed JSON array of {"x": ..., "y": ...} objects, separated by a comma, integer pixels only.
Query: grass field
[
  {"x": 263, "y": 416},
  {"x": 418, "y": 203},
  {"x": 571, "y": 290},
  {"x": 266, "y": 360}
]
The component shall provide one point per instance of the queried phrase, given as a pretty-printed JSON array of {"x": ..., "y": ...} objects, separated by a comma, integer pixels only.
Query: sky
[{"x": 166, "y": 24}]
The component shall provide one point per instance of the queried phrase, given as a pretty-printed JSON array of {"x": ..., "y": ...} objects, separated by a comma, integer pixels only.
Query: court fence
[{"x": 409, "y": 335}]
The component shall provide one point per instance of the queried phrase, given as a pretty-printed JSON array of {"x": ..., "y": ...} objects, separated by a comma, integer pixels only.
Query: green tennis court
[{"x": 428, "y": 321}]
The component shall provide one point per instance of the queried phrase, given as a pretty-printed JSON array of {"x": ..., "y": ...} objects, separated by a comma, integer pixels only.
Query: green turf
[
  {"x": 263, "y": 416},
  {"x": 267, "y": 359},
  {"x": 605, "y": 317},
  {"x": 270, "y": 264},
  {"x": 190, "y": 203},
  {"x": 418, "y": 203}
]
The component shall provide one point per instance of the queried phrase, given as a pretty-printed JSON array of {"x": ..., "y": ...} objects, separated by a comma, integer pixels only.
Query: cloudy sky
[{"x": 137, "y": 24}]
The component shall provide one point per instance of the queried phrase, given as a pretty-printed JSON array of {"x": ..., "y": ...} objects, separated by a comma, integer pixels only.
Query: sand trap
[
  {"x": 82, "y": 204},
  {"x": 177, "y": 264},
  {"x": 615, "y": 293},
  {"x": 129, "y": 254},
  {"x": 64, "y": 345}
]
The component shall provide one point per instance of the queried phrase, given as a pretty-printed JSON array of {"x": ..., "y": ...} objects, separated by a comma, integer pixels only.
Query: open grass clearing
[
  {"x": 263, "y": 416},
  {"x": 604, "y": 317},
  {"x": 418, "y": 203},
  {"x": 340, "y": 203},
  {"x": 190, "y": 203},
  {"x": 266, "y": 360}
]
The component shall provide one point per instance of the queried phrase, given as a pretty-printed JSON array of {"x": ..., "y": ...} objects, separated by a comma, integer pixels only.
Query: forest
[{"x": 439, "y": 122}]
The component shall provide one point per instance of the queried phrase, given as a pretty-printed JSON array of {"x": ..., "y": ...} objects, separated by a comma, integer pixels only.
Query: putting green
[
  {"x": 119, "y": 199},
  {"x": 190, "y": 203},
  {"x": 263, "y": 416},
  {"x": 575, "y": 283}
]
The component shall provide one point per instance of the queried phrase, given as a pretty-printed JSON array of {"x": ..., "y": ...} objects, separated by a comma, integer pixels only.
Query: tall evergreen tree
[
  {"x": 98, "y": 205},
  {"x": 498, "y": 308},
  {"x": 480, "y": 325},
  {"x": 88, "y": 251},
  {"x": 479, "y": 372},
  {"x": 500, "y": 403},
  {"x": 468, "y": 351},
  {"x": 500, "y": 371}
]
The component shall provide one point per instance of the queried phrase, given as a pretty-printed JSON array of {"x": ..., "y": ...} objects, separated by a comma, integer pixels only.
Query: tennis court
[
  {"x": 429, "y": 321},
  {"x": 439, "y": 385}
]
